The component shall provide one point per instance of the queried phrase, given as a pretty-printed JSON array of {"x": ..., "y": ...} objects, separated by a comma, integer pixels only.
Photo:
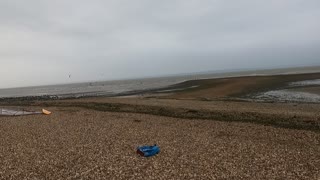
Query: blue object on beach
[{"x": 148, "y": 151}]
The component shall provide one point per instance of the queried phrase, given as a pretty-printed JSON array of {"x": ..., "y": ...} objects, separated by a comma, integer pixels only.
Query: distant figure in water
[{"x": 69, "y": 75}]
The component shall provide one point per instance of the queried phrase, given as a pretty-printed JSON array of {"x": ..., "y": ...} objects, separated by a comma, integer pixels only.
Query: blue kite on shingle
[{"x": 148, "y": 151}]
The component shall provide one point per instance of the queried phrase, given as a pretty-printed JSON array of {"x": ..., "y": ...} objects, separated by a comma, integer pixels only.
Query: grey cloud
[{"x": 123, "y": 38}]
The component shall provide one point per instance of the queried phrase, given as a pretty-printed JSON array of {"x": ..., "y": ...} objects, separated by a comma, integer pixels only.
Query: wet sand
[
  {"x": 201, "y": 135},
  {"x": 241, "y": 88},
  {"x": 313, "y": 90}
]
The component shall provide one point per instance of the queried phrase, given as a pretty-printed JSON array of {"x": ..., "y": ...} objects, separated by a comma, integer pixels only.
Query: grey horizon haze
[{"x": 43, "y": 41}]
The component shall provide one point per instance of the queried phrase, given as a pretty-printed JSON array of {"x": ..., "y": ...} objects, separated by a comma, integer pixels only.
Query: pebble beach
[{"x": 199, "y": 138}]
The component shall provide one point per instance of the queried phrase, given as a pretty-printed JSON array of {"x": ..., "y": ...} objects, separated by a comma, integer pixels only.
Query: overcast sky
[{"x": 43, "y": 41}]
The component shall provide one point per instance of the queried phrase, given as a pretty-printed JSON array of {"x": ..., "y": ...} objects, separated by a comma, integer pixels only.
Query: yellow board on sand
[{"x": 46, "y": 112}]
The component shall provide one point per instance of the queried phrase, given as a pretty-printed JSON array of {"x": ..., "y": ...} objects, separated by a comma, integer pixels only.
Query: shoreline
[{"x": 247, "y": 92}]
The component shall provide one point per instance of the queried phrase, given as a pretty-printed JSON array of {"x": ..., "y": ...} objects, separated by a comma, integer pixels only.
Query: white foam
[
  {"x": 285, "y": 95},
  {"x": 306, "y": 83}
]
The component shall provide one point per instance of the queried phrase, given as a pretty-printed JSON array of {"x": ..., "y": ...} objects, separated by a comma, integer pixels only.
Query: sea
[{"x": 118, "y": 87}]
